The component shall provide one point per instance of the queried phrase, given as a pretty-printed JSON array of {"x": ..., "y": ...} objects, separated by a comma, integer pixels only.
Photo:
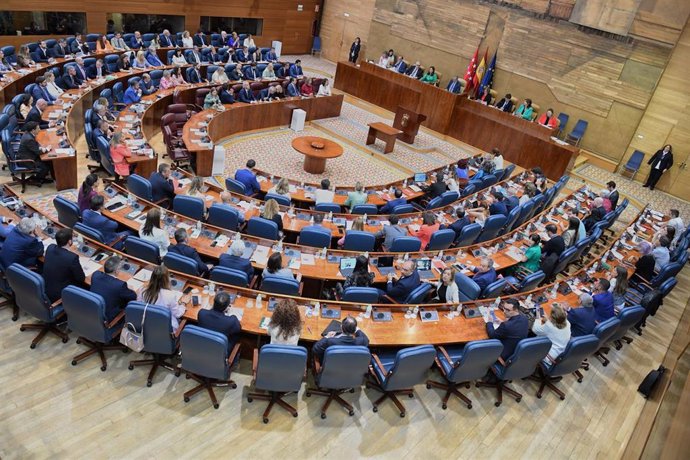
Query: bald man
[{"x": 399, "y": 287}]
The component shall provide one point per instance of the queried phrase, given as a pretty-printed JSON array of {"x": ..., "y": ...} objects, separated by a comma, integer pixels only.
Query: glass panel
[
  {"x": 145, "y": 23},
  {"x": 216, "y": 24},
  {"x": 41, "y": 23}
]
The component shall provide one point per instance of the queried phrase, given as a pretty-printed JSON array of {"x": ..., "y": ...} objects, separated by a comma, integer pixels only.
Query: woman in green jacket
[
  {"x": 525, "y": 110},
  {"x": 430, "y": 76}
]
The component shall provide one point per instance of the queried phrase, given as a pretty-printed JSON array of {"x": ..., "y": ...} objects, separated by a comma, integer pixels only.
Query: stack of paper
[
  {"x": 89, "y": 266},
  {"x": 143, "y": 275},
  {"x": 260, "y": 255}
]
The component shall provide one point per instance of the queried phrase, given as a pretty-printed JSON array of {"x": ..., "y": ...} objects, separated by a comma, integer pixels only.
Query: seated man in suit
[
  {"x": 193, "y": 56},
  {"x": 240, "y": 55},
  {"x": 390, "y": 206},
  {"x": 271, "y": 56},
  {"x": 248, "y": 178},
  {"x": 282, "y": 71},
  {"x": 133, "y": 93},
  {"x": 113, "y": 290},
  {"x": 118, "y": 43},
  {"x": 292, "y": 89},
  {"x": 226, "y": 94},
  {"x": 512, "y": 330},
  {"x": 602, "y": 300},
  {"x": 582, "y": 319},
  {"x": 318, "y": 225},
  {"x": 162, "y": 185},
  {"x": 42, "y": 54},
  {"x": 226, "y": 201},
  {"x": 40, "y": 91},
  {"x": 246, "y": 94},
  {"x": 36, "y": 115},
  {"x": 30, "y": 149},
  {"x": 250, "y": 72},
  {"x": 98, "y": 70},
  {"x": 103, "y": 130},
  {"x": 268, "y": 94},
  {"x": 400, "y": 65},
  {"x": 485, "y": 274},
  {"x": 461, "y": 222},
  {"x": 200, "y": 39},
  {"x": 22, "y": 245},
  {"x": 233, "y": 259},
  {"x": 146, "y": 85},
  {"x": 81, "y": 73},
  {"x": 324, "y": 194},
  {"x": 78, "y": 46},
  {"x": 391, "y": 232},
  {"x": 505, "y": 104},
  {"x": 350, "y": 335},
  {"x": 595, "y": 215},
  {"x": 399, "y": 287},
  {"x": 61, "y": 267},
  {"x": 614, "y": 197},
  {"x": 194, "y": 74},
  {"x": 166, "y": 40},
  {"x": 216, "y": 320},
  {"x": 296, "y": 69},
  {"x": 95, "y": 219},
  {"x": 555, "y": 244},
  {"x": 136, "y": 42},
  {"x": 182, "y": 248},
  {"x": 60, "y": 50},
  {"x": 414, "y": 71},
  {"x": 70, "y": 80},
  {"x": 454, "y": 85},
  {"x": 236, "y": 74},
  {"x": 511, "y": 200},
  {"x": 497, "y": 206}
]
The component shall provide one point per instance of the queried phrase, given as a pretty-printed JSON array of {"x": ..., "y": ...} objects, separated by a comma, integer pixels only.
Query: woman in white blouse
[
  {"x": 187, "y": 41},
  {"x": 324, "y": 89},
  {"x": 158, "y": 292},
  {"x": 53, "y": 89},
  {"x": 281, "y": 188},
  {"x": 446, "y": 289},
  {"x": 249, "y": 42},
  {"x": 152, "y": 231},
  {"x": 286, "y": 323},
  {"x": 178, "y": 58},
  {"x": 383, "y": 60},
  {"x": 556, "y": 329},
  {"x": 219, "y": 76}
]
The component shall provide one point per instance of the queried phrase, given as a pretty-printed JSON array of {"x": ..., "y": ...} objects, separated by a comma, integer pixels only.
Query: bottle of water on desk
[
  {"x": 198, "y": 225},
  {"x": 259, "y": 300}
]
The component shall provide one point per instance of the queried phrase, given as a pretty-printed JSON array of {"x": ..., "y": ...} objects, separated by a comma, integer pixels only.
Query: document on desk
[
  {"x": 260, "y": 255},
  {"x": 514, "y": 253},
  {"x": 47, "y": 242},
  {"x": 89, "y": 266},
  {"x": 134, "y": 284},
  {"x": 307, "y": 259},
  {"x": 234, "y": 311},
  {"x": 114, "y": 201},
  {"x": 143, "y": 275}
]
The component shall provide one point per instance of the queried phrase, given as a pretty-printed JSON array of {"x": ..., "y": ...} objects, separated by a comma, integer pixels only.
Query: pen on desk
[{"x": 309, "y": 329}]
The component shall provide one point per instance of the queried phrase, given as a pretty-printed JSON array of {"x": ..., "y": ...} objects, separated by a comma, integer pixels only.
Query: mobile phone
[
  {"x": 100, "y": 257},
  {"x": 195, "y": 300},
  {"x": 187, "y": 290}
]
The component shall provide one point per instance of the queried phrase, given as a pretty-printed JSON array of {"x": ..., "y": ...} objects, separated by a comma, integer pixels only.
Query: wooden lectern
[{"x": 408, "y": 122}]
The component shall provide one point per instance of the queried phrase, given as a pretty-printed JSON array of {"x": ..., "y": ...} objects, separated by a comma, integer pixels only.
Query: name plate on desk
[{"x": 381, "y": 316}]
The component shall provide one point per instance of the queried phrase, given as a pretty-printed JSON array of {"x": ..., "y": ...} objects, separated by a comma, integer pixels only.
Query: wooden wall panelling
[
  {"x": 561, "y": 8},
  {"x": 660, "y": 20},
  {"x": 615, "y": 16},
  {"x": 338, "y": 31}
]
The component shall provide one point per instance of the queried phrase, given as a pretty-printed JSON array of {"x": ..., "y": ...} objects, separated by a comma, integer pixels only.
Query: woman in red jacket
[
  {"x": 429, "y": 226},
  {"x": 307, "y": 89},
  {"x": 547, "y": 119},
  {"x": 119, "y": 152}
]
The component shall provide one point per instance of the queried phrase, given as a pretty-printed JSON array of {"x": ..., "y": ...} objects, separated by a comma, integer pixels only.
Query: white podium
[
  {"x": 218, "y": 168},
  {"x": 299, "y": 116},
  {"x": 278, "y": 46}
]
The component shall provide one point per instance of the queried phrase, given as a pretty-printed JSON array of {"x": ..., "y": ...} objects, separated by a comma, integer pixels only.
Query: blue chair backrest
[
  {"x": 468, "y": 290},
  {"x": 8, "y": 51},
  {"x": 628, "y": 316},
  {"x": 344, "y": 367},
  {"x": 170, "y": 55},
  {"x": 564, "y": 259},
  {"x": 180, "y": 263},
  {"x": 156, "y": 76},
  {"x": 147, "y": 38},
  {"x": 29, "y": 290},
  {"x": 357, "y": 240},
  {"x": 190, "y": 206},
  {"x": 118, "y": 91},
  {"x": 405, "y": 244},
  {"x": 262, "y": 228},
  {"x": 281, "y": 199},
  {"x": 409, "y": 368},
  {"x": 235, "y": 186},
  {"x": 140, "y": 186},
  {"x": 314, "y": 238},
  {"x": 667, "y": 286},
  {"x": 508, "y": 172},
  {"x": 531, "y": 281},
  {"x": 494, "y": 289},
  {"x": 577, "y": 350},
  {"x": 403, "y": 209},
  {"x": 68, "y": 211},
  {"x": 104, "y": 153},
  {"x": 280, "y": 285},
  {"x": 418, "y": 294},
  {"x": 441, "y": 239},
  {"x": 605, "y": 330},
  {"x": 525, "y": 359},
  {"x": 90, "y": 232},
  {"x": 328, "y": 207},
  {"x": 364, "y": 295},
  {"x": 635, "y": 161},
  {"x": 667, "y": 271},
  {"x": 468, "y": 235},
  {"x": 513, "y": 216},
  {"x": 489, "y": 180},
  {"x": 369, "y": 209},
  {"x": 281, "y": 368},
  {"x": 449, "y": 197},
  {"x": 229, "y": 276},
  {"x": 476, "y": 359},
  {"x": 223, "y": 216},
  {"x": 492, "y": 226},
  {"x": 563, "y": 120},
  {"x": 111, "y": 62},
  {"x": 579, "y": 129},
  {"x": 142, "y": 249},
  {"x": 435, "y": 203},
  {"x": 204, "y": 352},
  {"x": 526, "y": 211},
  {"x": 468, "y": 190},
  {"x": 86, "y": 314},
  {"x": 158, "y": 332}
]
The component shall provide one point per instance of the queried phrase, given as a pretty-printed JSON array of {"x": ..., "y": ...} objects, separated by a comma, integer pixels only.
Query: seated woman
[
  {"x": 272, "y": 212},
  {"x": 570, "y": 236},
  {"x": 274, "y": 267},
  {"x": 166, "y": 80},
  {"x": 529, "y": 263},
  {"x": 452, "y": 181},
  {"x": 619, "y": 286},
  {"x": 383, "y": 60},
  {"x": 52, "y": 87},
  {"x": 360, "y": 276},
  {"x": 178, "y": 58},
  {"x": 219, "y": 76},
  {"x": 158, "y": 292},
  {"x": 485, "y": 97},
  {"x": 102, "y": 44},
  {"x": 212, "y": 101},
  {"x": 547, "y": 119},
  {"x": 462, "y": 173},
  {"x": 152, "y": 231},
  {"x": 556, "y": 328},
  {"x": 430, "y": 76},
  {"x": 140, "y": 61},
  {"x": 119, "y": 152},
  {"x": 282, "y": 188},
  {"x": 88, "y": 189},
  {"x": 429, "y": 226},
  {"x": 285, "y": 326},
  {"x": 187, "y": 41},
  {"x": 525, "y": 110},
  {"x": 24, "y": 57},
  {"x": 446, "y": 288},
  {"x": 268, "y": 72},
  {"x": 196, "y": 189},
  {"x": 324, "y": 89},
  {"x": 124, "y": 63},
  {"x": 307, "y": 89},
  {"x": 25, "y": 106},
  {"x": 176, "y": 76},
  {"x": 357, "y": 225}
]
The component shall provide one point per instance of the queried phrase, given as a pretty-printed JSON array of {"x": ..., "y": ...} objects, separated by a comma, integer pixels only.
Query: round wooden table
[{"x": 315, "y": 158}]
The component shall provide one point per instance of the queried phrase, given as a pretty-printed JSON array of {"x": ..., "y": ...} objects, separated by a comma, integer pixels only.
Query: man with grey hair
[
  {"x": 36, "y": 114},
  {"x": 233, "y": 259},
  {"x": 511, "y": 200},
  {"x": 21, "y": 246},
  {"x": 113, "y": 290},
  {"x": 582, "y": 319},
  {"x": 399, "y": 287},
  {"x": 596, "y": 214},
  {"x": 485, "y": 274},
  {"x": 226, "y": 199}
]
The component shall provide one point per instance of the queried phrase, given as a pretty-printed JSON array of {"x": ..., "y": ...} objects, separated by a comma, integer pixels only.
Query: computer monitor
[
  {"x": 423, "y": 264},
  {"x": 385, "y": 261},
  {"x": 420, "y": 177}
]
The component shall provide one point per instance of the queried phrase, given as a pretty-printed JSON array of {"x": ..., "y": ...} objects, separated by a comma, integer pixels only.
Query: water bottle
[
  {"x": 406, "y": 256},
  {"x": 405, "y": 183},
  {"x": 330, "y": 215},
  {"x": 367, "y": 313},
  {"x": 279, "y": 248},
  {"x": 440, "y": 255},
  {"x": 364, "y": 217},
  {"x": 323, "y": 252},
  {"x": 258, "y": 301},
  {"x": 366, "y": 254},
  {"x": 497, "y": 302},
  {"x": 317, "y": 309},
  {"x": 198, "y": 225},
  {"x": 311, "y": 220},
  {"x": 130, "y": 199}
]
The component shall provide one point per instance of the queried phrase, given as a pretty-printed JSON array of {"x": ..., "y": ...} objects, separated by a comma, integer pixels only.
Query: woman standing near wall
[{"x": 354, "y": 50}]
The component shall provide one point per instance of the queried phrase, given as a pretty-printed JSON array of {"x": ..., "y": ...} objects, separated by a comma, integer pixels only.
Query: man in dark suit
[
  {"x": 497, "y": 206},
  {"x": 182, "y": 248},
  {"x": 165, "y": 39},
  {"x": 60, "y": 50},
  {"x": 240, "y": 55},
  {"x": 271, "y": 56},
  {"x": 40, "y": 91},
  {"x": 136, "y": 42},
  {"x": 21, "y": 245},
  {"x": 414, "y": 71},
  {"x": 78, "y": 45},
  {"x": 193, "y": 56},
  {"x": 250, "y": 72},
  {"x": 36, "y": 114},
  {"x": 236, "y": 74},
  {"x": 81, "y": 73},
  {"x": 42, "y": 54},
  {"x": 511, "y": 201},
  {"x": 246, "y": 94},
  {"x": 282, "y": 71},
  {"x": 485, "y": 274},
  {"x": 97, "y": 70},
  {"x": 582, "y": 319},
  {"x": 93, "y": 218},
  {"x": 555, "y": 244},
  {"x": 399, "y": 287},
  {"x": 505, "y": 104},
  {"x": 350, "y": 335},
  {"x": 296, "y": 69},
  {"x": 103, "y": 129},
  {"x": 454, "y": 85},
  {"x": 194, "y": 74},
  {"x": 199, "y": 39},
  {"x": 292, "y": 89},
  {"x": 30, "y": 149},
  {"x": 233, "y": 259},
  {"x": 661, "y": 161},
  {"x": 146, "y": 84},
  {"x": 437, "y": 188},
  {"x": 268, "y": 94},
  {"x": 390, "y": 206},
  {"x": 512, "y": 330},
  {"x": 613, "y": 194},
  {"x": 162, "y": 185},
  {"x": 61, "y": 267},
  {"x": 215, "y": 320},
  {"x": 226, "y": 94},
  {"x": 400, "y": 65},
  {"x": 70, "y": 80},
  {"x": 113, "y": 290},
  {"x": 602, "y": 300},
  {"x": 461, "y": 222},
  {"x": 595, "y": 215}
]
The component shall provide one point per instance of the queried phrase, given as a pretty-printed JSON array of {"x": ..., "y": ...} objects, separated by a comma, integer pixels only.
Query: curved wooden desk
[{"x": 316, "y": 151}]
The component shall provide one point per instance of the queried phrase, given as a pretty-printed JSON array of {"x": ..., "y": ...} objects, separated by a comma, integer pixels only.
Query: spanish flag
[{"x": 481, "y": 68}]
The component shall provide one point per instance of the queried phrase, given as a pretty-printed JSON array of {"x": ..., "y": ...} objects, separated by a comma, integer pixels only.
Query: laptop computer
[
  {"x": 424, "y": 268},
  {"x": 385, "y": 265},
  {"x": 347, "y": 266},
  {"x": 420, "y": 177}
]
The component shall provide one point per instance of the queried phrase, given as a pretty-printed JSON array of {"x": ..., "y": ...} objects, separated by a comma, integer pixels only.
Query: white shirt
[
  {"x": 54, "y": 90},
  {"x": 498, "y": 162},
  {"x": 383, "y": 61},
  {"x": 219, "y": 78},
  {"x": 179, "y": 60},
  {"x": 678, "y": 224},
  {"x": 170, "y": 300},
  {"x": 249, "y": 43},
  {"x": 275, "y": 192},
  {"x": 324, "y": 91},
  {"x": 452, "y": 185},
  {"x": 277, "y": 337},
  {"x": 323, "y": 196},
  {"x": 187, "y": 42},
  {"x": 158, "y": 237},
  {"x": 559, "y": 337}
]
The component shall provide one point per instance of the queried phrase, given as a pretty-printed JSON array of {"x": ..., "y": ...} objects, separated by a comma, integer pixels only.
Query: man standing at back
[{"x": 248, "y": 178}]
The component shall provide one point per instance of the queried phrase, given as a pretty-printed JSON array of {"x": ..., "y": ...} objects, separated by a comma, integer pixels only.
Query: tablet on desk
[{"x": 420, "y": 177}]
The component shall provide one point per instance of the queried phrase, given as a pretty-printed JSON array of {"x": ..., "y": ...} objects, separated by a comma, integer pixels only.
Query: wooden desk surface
[
  {"x": 330, "y": 149},
  {"x": 384, "y": 128}
]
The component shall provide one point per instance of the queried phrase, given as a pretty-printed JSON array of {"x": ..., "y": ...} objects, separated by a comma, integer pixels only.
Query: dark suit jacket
[
  {"x": 226, "y": 97},
  {"x": 35, "y": 115},
  {"x": 229, "y": 326},
  {"x": 92, "y": 72},
  {"x": 70, "y": 82},
  {"x": 665, "y": 163},
  {"x": 235, "y": 75},
  {"x": 582, "y": 321},
  {"x": 29, "y": 148},
  {"x": 400, "y": 67},
  {"x": 613, "y": 198},
  {"x": 100, "y": 222},
  {"x": 510, "y": 333},
  {"x": 136, "y": 44},
  {"x": 603, "y": 306},
  {"x": 60, "y": 51},
  {"x": 359, "y": 339},
  {"x": 40, "y": 92},
  {"x": 246, "y": 95},
  {"x": 237, "y": 263},
  {"x": 486, "y": 278},
  {"x": 388, "y": 207},
  {"x": 454, "y": 86},
  {"x": 292, "y": 90},
  {"x": 436, "y": 189},
  {"x": 161, "y": 188},
  {"x": 504, "y": 105},
  {"x": 414, "y": 70},
  {"x": 166, "y": 41},
  {"x": 60, "y": 269},
  {"x": 511, "y": 202},
  {"x": 399, "y": 290},
  {"x": 250, "y": 73},
  {"x": 194, "y": 76},
  {"x": 555, "y": 245},
  {"x": 42, "y": 54},
  {"x": 114, "y": 291},
  {"x": 200, "y": 40},
  {"x": 458, "y": 225},
  {"x": 188, "y": 251},
  {"x": 20, "y": 248},
  {"x": 595, "y": 216},
  {"x": 498, "y": 207},
  {"x": 296, "y": 71}
]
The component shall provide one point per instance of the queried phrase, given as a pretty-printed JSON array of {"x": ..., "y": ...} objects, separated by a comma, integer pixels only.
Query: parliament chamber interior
[{"x": 346, "y": 229}]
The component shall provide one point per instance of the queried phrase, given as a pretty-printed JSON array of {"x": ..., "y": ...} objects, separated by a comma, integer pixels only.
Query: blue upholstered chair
[
  {"x": 513, "y": 216},
  {"x": 328, "y": 207},
  {"x": 356, "y": 240},
  {"x": 468, "y": 190},
  {"x": 140, "y": 186},
  {"x": 231, "y": 276},
  {"x": 159, "y": 338},
  {"x": 629, "y": 317},
  {"x": 262, "y": 228},
  {"x": 633, "y": 164},
  {"x": 363, "y": 295},
  {"x": 577, "y": 133},
  {"x": 86, "y": 317},
  {"x": 566, "y": 363},
  {"x": 604, "y": 331},
  {"x": 30, "y": 296},
  {"x": 468, "y": 235},
  {"x": 441, "y": 239},
  {"x": 464, "y": 364},
  {"x": 223, "y": 216},
  {"x": 190, "y": 206},
  {"x": 277, "y": 370},
  {"x": 528, "y": 353},
  {"x": 142, "y": 249},
  {"x": 492, "y": 226},
  {"x": 507, "y": 172},
  {"x": 280, "y": 285},
  {"x": 419, "y": 294},
  {"x": 403, "y": 209},
  {"x": 369, "y": 209},
  {"x": 236, "y": 186},
  {"x": 343, "y": 368},
  {"x": 68, "y": 211},
  {"x": 393, "y": 373},
  {"x": 494, "y": 289},
  {"x": 205, "y": 359},
  {"x": 179, "y": 263},
  {"x": 405, "y": 244},
  {"x": 315, "y": 238},
  {"x": 529, "y": 282},
  {"x": 468, "y": 290},
  {"x": 280, "y": 199}
]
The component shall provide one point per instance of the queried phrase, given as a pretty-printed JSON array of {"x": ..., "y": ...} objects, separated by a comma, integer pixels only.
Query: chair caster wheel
[
  {"x": 149, "y": 383},
  {"x": 130, "y": 367},
  {"x": 376, "y": 409},
  {"x": 497, "y": 404},
  {"x": 410, "y": 396},
  {"x": 186, "y": 376},
  {"x": 265, "y": 420},
  {"x": 444, "y": 406},
  {"x": 74, "y": 363},
  {"x": 518, "y": 399},
  {"x": 103, "y": 368},
  {"x": 32, "y": 346},
  {"x": 323, "y": 416},
  {"x": 605, "y": 364},
  {"x": 402, "y": 414},
  {"x": 562, "y": 398},
  {"x": 539, "y": 395},
  {"x": 469, "y": 406},
  {"x": 351, "y": 413},
  {"x": 22, "y": 328},
  {"x": 308, "y": 394},
  {"x": 65, "y": 340},
  {"x": 249, "y": 400},
  {"x": 16, "y": 317},
  {"x": 233, "y": 386},
  {"x": 352, "y": 390},
  {"x": 579, "y": 380},
  {"x": 186, "y": 399},
  {"x": 295, "y": 415},
  {"x": 78, "y": 341},
  {"x": 216, "y": 406},
  {"x": 177, "y": 373},
  {"x": 428, "y": 387}
]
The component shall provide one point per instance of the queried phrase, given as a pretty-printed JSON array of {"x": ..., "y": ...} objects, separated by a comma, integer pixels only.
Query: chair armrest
[
  {"x": 445, "y": 355},
  {"x": 161, "y": 201},
  {"x": 22, "y": 161},
  {"x": 378, "y": 363},
  {"x": 234, "y": 352},
  {"x": 390, "y": 299},
  {"x": 177, "y": 333},
  {"x": 301, "y": 286},
  {"x": 115, "y": 320},
  {"x": 252, "y": 282},
  {"x": 56, "y": 303},
  {"x": 501, "y": 361},
  {"x": 317, "y": 365},
  {"x": 117, "y": 240},
  {"x": 255, "y": 363}
]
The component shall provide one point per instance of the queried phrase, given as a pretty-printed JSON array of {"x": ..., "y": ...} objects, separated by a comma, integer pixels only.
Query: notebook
[{"x": 385, "y": 265}]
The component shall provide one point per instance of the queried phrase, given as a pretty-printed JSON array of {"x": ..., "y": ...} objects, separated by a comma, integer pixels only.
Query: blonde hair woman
[
  {"x": 140, "y": 61},
  {"x": 446, "y": 289},
  {"x": 187, "y": 41},
  {"x": 556, "y": 329},
  {"x": 272, "y": 212},
  {"x": 281, "y": 188},
  {"x": 357, "y": 225}
]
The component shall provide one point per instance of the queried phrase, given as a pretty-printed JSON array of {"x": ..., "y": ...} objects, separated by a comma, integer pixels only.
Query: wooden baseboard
[{"x": 599, "y": 161}]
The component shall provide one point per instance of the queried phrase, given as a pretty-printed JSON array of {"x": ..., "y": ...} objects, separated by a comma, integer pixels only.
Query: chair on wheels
[
  {"x": 86, "y": 317},
  {"x": 160, "y": 341},
  {"x": 363, "y": 295},
  {"x": 528, "y": 353},
  {"x": 189, "y": 206},
  {"x": 405, "y": 244},
  {"x": 314, "y": 238},
  {"x": 393, "y": 373},
  {"x": 603, "y": 332},
  {"x": 205, "y": 359},
  {"x": 441, "y": 239},
  {"x": 463, "y": 364},
  {"x": 278, "y": 370},
  {"x": 280, "y": 285},
  {"x": 262, "y": 228},
  {"x": 30, "y": 296},
  {"x": 68, "y": 211},
  {"x": 633, "y": 164},
  {"x": 343, "y": 369},
  {"x": 142, "y": 249},
  {"x": 232, "y": 277},
  {"x": 361, "y": 241}
]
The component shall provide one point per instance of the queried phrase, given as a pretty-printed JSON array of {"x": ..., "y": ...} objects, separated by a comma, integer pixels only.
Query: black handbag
[{"x": 651, "y": 381}]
